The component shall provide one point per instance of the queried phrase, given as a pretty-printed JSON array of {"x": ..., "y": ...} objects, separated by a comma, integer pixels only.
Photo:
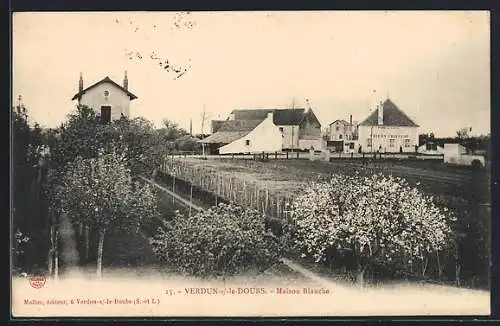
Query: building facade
[
  {"x": 342, "y": 135},
  {"x": 264, "y": 138},
  {"x": 300, "y": 128},
  {"x": 107, "y": 98},
  {"x": 388, "y": 130}
]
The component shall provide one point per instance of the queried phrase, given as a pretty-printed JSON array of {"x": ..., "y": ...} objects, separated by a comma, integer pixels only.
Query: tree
[
  {"x": 80, "y": 135},
  {"x": 220, "y": 241},
  {"x": 463, "y": 133},
  {"x": 83, "y": 135},
  {"x": 171, "y": 130},
  {"x": 144, "y": 145},
  {"x": 374, "y": 219},
  {"x": 100, "y": 192},
  {"x": 27, "y": 212}
]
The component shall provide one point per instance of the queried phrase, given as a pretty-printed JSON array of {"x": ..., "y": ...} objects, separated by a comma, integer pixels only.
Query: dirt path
[{"x": 313, "y": 276}]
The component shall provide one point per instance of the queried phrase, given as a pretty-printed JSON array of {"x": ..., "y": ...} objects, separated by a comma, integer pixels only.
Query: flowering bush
[
  {"x": 220, "y": 241},
  {"x": 370, "y": 219}
]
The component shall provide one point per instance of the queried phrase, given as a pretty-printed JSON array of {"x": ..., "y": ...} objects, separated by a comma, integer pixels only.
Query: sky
[{"x": 435, "y": 66}]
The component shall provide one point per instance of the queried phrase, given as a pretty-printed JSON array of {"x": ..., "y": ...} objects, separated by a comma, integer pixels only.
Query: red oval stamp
[{"x": 37, "y": 281}]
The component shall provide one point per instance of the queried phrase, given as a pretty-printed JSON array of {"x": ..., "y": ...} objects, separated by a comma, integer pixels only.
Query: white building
[
  {"x": 245, "y": 136},
  {"x": 299, "y": 127},
  {"x": 457, "y": 154},
  {"x": 388, "y": 130},
  {"x": 108, "y": 99}
]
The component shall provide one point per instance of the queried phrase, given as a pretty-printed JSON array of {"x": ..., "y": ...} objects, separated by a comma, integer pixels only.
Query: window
[
  {"x": 337, "y": 128},
  {"x": 392, "y": 142},
  {"x": 106, "y": 93},
  {"x": 340, "y": 136},
  {"x": 407, "y": 143},
  {"x": 369, "y": 142},
  {"x": 281, "y": 129},
  {"x": 247, "y": 142},
  {"x": 105, "y": 114}
]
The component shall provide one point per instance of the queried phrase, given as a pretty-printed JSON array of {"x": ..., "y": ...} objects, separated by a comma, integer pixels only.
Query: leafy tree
[
  {"x": 220, "y": 241},
  {"x": 100, "y": 192},
  {"x": 80, "y": 135},
  {"x": 171, "y": 130},
  {"x": 84, "y": 135},
  {"x": 463, "y": 133},
  {"x": 144, "y": 145},
  {"x": 374, "y": 219}
]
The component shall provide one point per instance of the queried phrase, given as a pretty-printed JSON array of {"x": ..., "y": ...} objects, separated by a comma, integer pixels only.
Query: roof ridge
[
  {"x": 404, "y": 119},
  {"x": 400, "y": 111},
  {"x": 105, "y": 79}
]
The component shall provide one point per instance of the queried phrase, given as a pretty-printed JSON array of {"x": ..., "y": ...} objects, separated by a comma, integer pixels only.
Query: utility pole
[{"x": 203, "y": 118}]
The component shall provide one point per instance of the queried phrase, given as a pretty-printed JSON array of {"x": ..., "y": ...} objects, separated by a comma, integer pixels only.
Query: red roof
[{"x": 104, "y": 80}]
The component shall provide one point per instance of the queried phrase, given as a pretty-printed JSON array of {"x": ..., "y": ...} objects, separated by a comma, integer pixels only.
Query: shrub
[
  {"x": 368, "y": 220},
  {"x": 220, "y": 241}
]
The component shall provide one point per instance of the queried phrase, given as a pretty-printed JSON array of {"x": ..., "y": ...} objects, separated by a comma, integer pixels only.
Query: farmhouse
[
  {"x": 108, "y": 99},
  {"x": 388, "y": 129},
  {"x": 244, "y": 136},
  {"x": 299, "y": 128}
]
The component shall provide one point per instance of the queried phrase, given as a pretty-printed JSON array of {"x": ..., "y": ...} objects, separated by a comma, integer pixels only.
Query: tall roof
[
  {"x": 393, "y": 116},
  {"x": 102, "y": 81},
  {"x": 228, "y": 131},
  {"x": 282, "y": 117}
]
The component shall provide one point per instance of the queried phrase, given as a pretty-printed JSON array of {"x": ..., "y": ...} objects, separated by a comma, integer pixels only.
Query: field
[{"x": 286, "y": 177}]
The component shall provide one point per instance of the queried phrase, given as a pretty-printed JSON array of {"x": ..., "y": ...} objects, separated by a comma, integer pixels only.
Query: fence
[
  {"x": 315, "y": 156},
  {"x": 224, "y": 185}
]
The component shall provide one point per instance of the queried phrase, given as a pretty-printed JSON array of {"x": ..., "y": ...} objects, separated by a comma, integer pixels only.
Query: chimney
[
  {"x": 350, "y": 120},
  {"x": 381, "y": 114},
  {"x": 270, "y": 116},
  {"x": 80, "y": 84},
  {"x": 125, "y": 81}
]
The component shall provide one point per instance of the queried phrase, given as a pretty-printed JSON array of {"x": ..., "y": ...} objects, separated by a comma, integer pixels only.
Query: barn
[{"x": 300, "y": 128}]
